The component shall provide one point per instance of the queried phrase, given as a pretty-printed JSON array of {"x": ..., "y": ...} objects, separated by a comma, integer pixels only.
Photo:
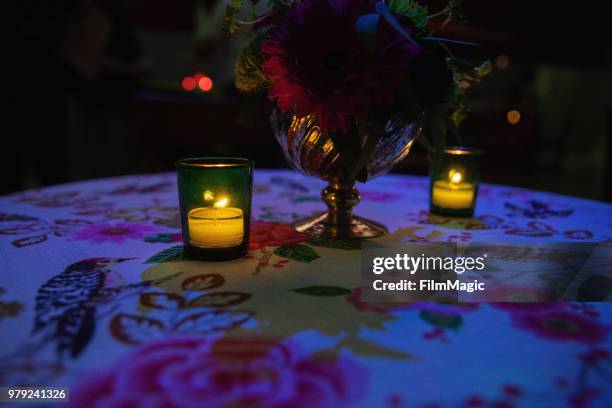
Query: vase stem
[
  {"x": 339, "y": 222},
  {"x": 340, "y": 198}
]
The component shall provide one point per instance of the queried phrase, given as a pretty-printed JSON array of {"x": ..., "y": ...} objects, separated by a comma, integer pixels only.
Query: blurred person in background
[{"x": 78, "y": 64}]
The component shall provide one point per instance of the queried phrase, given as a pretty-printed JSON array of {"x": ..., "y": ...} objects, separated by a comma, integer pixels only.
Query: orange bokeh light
[
  {"x": 205, "y": 84},
  {"x": 513, "y": 117}
]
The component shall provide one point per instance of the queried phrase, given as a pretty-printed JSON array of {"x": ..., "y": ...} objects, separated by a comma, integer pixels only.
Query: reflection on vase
[{"x": 314, "y": 153}]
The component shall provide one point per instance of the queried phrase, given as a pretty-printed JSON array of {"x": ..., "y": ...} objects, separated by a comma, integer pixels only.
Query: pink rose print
[
  {"x": 113, "y": 232},
  {"x": 561, "y": 325},
  {"x": 265, "y": 234},
  {"x": 231, "y": 371}
]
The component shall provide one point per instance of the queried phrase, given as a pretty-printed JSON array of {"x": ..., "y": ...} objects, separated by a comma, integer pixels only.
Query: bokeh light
[
  {"x": 513, "y": 117},
  {"x": 189, "y": 84},
  {"x": 205, "y": 84},
  {"x": 502, "y": 61}
]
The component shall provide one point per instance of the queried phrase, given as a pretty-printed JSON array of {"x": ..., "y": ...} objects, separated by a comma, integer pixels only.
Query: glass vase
[{"x": 315, "y": 153}]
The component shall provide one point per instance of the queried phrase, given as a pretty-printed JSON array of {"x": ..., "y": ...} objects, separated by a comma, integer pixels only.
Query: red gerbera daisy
[{"x": 318, "y": 63}]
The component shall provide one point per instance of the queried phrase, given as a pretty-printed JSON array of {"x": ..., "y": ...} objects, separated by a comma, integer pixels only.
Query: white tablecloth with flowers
[{"x": 95, "y": 295}]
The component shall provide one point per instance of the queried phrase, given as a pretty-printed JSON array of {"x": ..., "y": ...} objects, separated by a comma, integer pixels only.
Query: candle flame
[
  {"x": 221, "y": 203},
  {"x": 209, "y": 195},
  {"x": 455, "y": 177}
]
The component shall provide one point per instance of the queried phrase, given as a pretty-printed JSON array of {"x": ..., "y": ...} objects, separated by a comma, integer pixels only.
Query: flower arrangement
[{"x": 353, "y": 63}]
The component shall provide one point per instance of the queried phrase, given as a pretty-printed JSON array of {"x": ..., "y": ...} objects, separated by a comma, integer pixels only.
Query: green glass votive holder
[
  {"x": 215, "y": 206},
  {"x": 454, "y": 180}
]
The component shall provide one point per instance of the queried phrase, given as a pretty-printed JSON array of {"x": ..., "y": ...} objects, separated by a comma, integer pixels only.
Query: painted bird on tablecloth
[{"x": 66, "y": 305}]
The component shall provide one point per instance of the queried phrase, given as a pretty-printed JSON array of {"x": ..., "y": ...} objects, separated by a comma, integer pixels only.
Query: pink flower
[
  {"x": 265, "y": 234},
  {"x": 245, "y": 371},
  {"x": 561, "y": 325},
  {"x": 113, "y": 232},
  {"x": 318, "y": 64}
]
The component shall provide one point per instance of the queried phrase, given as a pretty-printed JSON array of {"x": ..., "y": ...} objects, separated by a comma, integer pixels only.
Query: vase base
[{"x": 317, "y": 226}]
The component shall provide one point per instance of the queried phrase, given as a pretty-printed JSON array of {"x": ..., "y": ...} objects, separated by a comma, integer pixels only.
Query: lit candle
[
  {"x": 216, "y": 226},
  {"x": 454, "y": 194}
]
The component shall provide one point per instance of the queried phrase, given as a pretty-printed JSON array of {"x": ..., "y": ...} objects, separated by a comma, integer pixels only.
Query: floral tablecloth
[{"x": 95, "y": 295}]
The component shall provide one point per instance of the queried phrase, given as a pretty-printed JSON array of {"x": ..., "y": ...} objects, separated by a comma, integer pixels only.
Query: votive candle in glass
[
  {"x": 454, "y": 181},
  {"x": 215, "y": 206}
]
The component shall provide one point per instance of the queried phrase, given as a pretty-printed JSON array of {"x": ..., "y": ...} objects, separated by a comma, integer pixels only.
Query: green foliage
[
  {"x": 411, "y": 9},
  {"x": 250, "y": 77},
  {"x": 442, "y": 320},
  {"x": 483, "y": 70},
  {"x": 231, "y": 23},
  {"x": 168, "y": 255},
  {"x": 297, "y": 252},
  {"x": 454, "y": 10},
  {"x": 464, "y": 79},
  {"x": 460, "y": 112}
]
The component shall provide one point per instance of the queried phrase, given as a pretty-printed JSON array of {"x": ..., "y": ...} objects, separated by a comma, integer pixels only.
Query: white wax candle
[{"x": 211, "y": 227}]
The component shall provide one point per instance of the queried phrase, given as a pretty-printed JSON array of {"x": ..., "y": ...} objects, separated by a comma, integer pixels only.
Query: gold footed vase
[
  {"x": 317, "y": 154},
  {"x": 339, "y": 222}
]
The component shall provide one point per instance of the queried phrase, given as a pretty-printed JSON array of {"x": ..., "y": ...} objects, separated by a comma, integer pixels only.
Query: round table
[{"x": 95, "y": 295}]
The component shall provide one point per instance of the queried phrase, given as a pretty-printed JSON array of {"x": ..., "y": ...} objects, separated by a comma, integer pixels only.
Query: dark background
[{"x": 95, "y": 90}]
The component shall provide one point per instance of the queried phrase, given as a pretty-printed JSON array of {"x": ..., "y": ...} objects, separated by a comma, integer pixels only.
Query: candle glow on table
[
  {"x": 454, "y": 193},
  {"x": 216, "y": 226}
]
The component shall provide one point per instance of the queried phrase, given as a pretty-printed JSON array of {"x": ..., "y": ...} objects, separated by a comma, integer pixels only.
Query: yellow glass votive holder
[{"x": 454, "y": 181}]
